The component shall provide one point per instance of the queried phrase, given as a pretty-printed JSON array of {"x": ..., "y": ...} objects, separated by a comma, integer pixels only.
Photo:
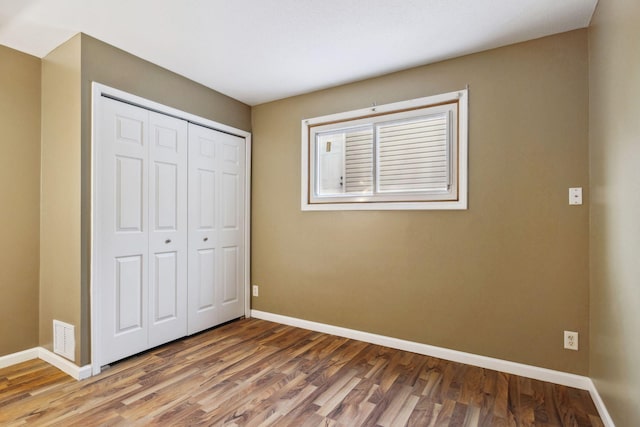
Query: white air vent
[{"x": 63, "y": 339}]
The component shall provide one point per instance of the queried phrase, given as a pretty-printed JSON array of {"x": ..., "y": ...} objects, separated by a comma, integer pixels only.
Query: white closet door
[
  {"x": 204, "y": 178},
  {"x": 167, "y": 229},
  {"x": 142, "y": 232},
  {"x": 216, "y": 227},
  {"x": 231, "y": 237},
  {"x": 168, "y": 240},
  {"x": 122, "y": 219}
]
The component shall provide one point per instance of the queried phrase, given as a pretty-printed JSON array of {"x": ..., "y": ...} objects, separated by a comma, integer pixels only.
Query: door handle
[{"x": 167, "y": 241}]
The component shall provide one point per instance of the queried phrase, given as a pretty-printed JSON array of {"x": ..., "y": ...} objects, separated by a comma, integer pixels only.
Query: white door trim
[{"x": 100, "y": 90}]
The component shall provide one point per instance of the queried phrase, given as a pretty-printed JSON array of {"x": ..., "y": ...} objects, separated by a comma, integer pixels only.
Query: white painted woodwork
[
  {"x": 203, "y": 231},
  {"x": 216, "y": 227},
  {"x": 122, "y": 157},
  {"x": 169, "y": 229},
  {"x": 231, "y": 240}
]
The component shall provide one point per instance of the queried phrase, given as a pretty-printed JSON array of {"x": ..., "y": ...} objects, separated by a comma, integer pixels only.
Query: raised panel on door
[
  {"x": 231, "y": 295},
  {"x": 203, "y": 299},
  {"x": 129, "y": 294},
  {"x": 230, "y": 206},
  {"x": 205, "y": 194},
  {"x": 204, "y": 273},
  {"x": 121, "y": 229},
  {"x": 165, "y": 292},
  {"x": 165, "y": 197},
  {"x": 230, "y": 275},
  {"x": 168, "y": 228},
  {"x": 129, "y": 193}
]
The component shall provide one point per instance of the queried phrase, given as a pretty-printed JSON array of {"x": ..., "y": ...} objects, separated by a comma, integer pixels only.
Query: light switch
[{"x": 575, "y": 196}]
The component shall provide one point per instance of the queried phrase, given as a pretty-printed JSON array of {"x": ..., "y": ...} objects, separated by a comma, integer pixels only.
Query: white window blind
[
  {"x": 413, "y": 156},
  {"x": 359, "y": 161}
]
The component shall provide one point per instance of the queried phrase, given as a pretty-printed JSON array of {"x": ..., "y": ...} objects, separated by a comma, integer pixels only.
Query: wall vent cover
[{"x": 64, "y": 342}]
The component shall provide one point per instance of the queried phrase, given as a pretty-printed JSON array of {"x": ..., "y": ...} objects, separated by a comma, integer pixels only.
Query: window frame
[{"x": 381, "y": 114}]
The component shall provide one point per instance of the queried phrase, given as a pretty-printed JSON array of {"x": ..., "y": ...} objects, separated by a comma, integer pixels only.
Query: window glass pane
[
  {"x": 330, "y": 157},
  {"x": 413, "y": 155},
  {"x": 345, "y": 162}
]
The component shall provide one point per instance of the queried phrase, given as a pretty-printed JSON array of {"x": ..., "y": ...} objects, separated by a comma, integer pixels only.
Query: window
[{"x": 405, "y": 155}]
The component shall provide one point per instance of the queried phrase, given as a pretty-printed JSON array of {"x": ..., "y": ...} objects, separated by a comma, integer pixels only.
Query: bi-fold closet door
[
  {"x": 216, "y": 227},
  {"x": 169, "y": 219}
]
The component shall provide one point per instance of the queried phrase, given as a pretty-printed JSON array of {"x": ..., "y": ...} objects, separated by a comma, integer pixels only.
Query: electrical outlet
[
  {"x": 571, "y": 340},
  {"x": 255, "y": 290}
]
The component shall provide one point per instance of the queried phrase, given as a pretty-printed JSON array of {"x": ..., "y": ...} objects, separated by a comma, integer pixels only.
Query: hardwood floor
[{"x": 257, "y": 373}]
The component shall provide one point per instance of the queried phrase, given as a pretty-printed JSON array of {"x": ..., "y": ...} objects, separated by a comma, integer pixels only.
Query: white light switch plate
[{"x": 575, "y": 196}]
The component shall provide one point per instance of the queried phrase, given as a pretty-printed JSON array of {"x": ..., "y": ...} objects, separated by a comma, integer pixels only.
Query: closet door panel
[
  {"x": 122, "y": 229},
  {"x": 231, "y": 238},
  {"x": 204, "y": 218},
  {"x": 168, "y": 232}
]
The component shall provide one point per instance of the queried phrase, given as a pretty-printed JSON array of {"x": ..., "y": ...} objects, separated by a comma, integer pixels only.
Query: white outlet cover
[{"x": 571, "y": 340}]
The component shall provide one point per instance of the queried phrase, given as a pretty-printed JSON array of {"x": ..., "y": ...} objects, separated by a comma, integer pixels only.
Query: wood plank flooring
[{"x": 257, "y": 373}]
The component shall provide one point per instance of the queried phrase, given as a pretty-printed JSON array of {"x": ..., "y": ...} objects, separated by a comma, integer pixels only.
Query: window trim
[{"x": 461, "y": 97}]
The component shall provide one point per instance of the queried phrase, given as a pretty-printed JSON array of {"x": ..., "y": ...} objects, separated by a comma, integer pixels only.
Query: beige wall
[
  {"x": 502, "y": 279},
  {"x": 60, "y": 192},
  {"x": 19, "y": 200},
  {"x": 614, "y": 132}
]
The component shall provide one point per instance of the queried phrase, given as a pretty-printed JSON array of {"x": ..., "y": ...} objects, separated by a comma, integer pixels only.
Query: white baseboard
[
  {"x": 600, "y": 406},
  {"x": 542, "y": 374},
  {"x": 69, "y": 368},
  {"x": 523, "y": 370},
  {"x": 19, "y": 357}
]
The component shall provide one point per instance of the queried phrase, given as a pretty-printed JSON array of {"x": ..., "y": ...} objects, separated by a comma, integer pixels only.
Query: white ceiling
[{"x": 261, "y": 50}]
